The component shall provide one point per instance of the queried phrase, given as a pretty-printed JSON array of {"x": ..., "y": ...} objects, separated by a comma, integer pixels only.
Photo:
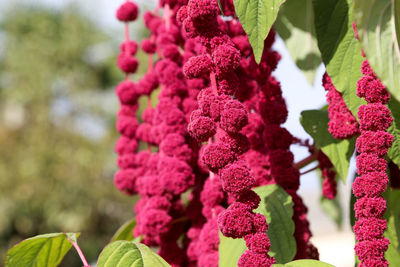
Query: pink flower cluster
[
  {"x": 161, "y": 177},
  {"x": 268, "y": 156},
  {"x": 128, "y": 95},
  {"x": 372, "y": 146},
  {"x": 214, "y": 134},
  {"x": 342, "y": 124},
  {"x": 220, "y": 119},
  {"x": 274, "y": 141},
  {"x": 329, "y": 185}
]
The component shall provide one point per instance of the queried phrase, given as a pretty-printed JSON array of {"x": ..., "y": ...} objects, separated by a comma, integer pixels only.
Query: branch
[
  {"x": 80, "y": 253},
  {"x": 310, "y": 170},
  {"x": 306, "y": 161}
]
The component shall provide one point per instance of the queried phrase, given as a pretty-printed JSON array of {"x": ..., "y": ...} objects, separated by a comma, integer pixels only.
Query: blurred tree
[{"x": 56, "y": 112}]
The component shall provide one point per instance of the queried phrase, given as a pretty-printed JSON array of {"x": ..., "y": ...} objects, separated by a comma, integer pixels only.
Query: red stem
[
  {"x": 167, "y": 17},
  {"x": 80, "y": 253},
  {"x": 305, "y": 161},
  {"x": 213, "y": 82},
  {"x": 149, "y": 105},
  {"x": 127, "y": 32},
  {"x": 211, "y": 174},
  {"x": 149, "y": 63},
  {"x": 310, "y": 170},
  {"x": 127, "y": 41}
]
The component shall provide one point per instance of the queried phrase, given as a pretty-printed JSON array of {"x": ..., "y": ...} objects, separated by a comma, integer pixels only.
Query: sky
[{"x": 299, "y": 95}]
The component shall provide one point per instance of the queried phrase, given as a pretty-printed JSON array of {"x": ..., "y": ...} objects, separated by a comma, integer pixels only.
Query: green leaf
[
  {"x": 394, "y": 150},
  {"x": 340, "y": 50},
  {"x": 378, "y": 24},
  {"x": 392, "y": 216},
  {"x": 393, "y": 211},
  {"x": 277, "y": 206},
  {"x": 40, "y": 251},
  {"x": 123, "y": 253},
  {"x": 393, "y": 253},
  {"x": 125, "y": 231},
  {"x": 230, "y": 250},
  {"x": 257, "y": 17},
  {"x": 315, "y": 123},
  {"x": 295, "y": 25},
  {"x": 73, "y": 236},
  {"x": 305, "y": 263},
  {"x": 392, "y": 231},
  {"x": 333, "y": 209}
]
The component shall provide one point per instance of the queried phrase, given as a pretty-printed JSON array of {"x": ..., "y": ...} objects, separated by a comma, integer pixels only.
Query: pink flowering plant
[{"x": 217, "y": 181}]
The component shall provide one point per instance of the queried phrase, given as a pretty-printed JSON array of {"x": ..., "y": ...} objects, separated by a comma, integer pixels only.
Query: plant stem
[
  {"x": 213, "y": 82},
  {"x": 167, "y": 17},
  {"x": 310, "y": 170},
  {"x": 127, "y": 38},
  {"x": 306, "y": 161},
  {"x": 181, "y": 219},
  {"x": 80, "y": 253}
]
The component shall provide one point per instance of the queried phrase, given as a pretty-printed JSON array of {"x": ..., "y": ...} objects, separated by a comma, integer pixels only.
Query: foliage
[
  {"x": 125, "y": 253},
  {"x": 51, "y": 77},
  {"x": 393, "y": 218},
  {"x": 125, "y": 231},
  {"x": 394, "y": 151},
  {"x": 340, "y": 51},
  {"x": 378, "y": 24},
  {"x": 257, "y": 17},
  {"x": 230, "y": 250},
  {"x": 295, "y": 24},
  {"x": 277, "y": 206},
  {"x": 42, "y": 250},
  {"x": 49, "y": 250}
]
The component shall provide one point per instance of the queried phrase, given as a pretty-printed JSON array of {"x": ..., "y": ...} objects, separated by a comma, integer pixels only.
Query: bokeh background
[{"x": 57, "y": 117}]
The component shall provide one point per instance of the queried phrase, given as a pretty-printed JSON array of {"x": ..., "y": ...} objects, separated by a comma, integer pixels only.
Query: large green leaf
[
  {"x": 378, "y": 24},
  {"x": 295, "y": 25},
  {"x": 304, "y": 263},
  {"x": 40, "y": 251},
  {"x": 341, "y": 52},
  {"x": 394, "y": 150},
  {"x": 125, "y": 231},
  {"x": 123, "y": 253},
  {"x": 230, "y": 250},
  {"x": 393, "y": 212},
  {"x": 277, "y": 206},
  {"x": 392, "y": 255},
  {"x": 315, "y": 123},
  {"x": 393, "y": 226},
  {"x": 257, "y": 17}
]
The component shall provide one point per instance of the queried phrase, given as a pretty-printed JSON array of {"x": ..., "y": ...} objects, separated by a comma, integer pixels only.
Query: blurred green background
[{"x": 57, "y": 117}]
